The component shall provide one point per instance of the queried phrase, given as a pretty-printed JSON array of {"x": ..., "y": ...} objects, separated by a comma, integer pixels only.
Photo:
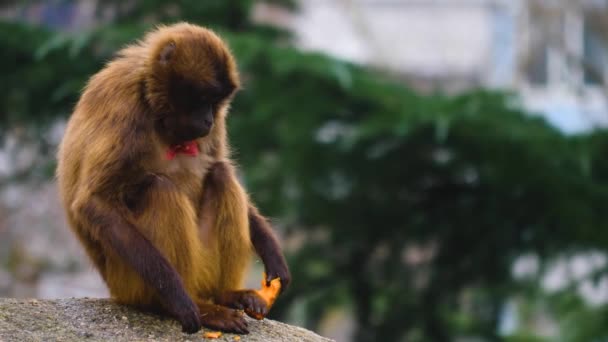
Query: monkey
[{"x": 150, "y": 190}]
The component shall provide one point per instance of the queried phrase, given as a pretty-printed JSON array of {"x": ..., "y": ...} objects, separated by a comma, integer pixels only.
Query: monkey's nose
[
  {"x": 195, "y": 130},
  {"x": 203, "y": 130}
]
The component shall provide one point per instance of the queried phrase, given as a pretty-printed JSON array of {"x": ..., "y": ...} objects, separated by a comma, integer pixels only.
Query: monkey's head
[{"x": 191, "y": 77}]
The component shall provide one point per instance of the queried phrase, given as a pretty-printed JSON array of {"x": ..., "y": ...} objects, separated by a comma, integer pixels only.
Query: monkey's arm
[
  {"x": 268, "y": 249},
  {"x": 118, "y": 235}
]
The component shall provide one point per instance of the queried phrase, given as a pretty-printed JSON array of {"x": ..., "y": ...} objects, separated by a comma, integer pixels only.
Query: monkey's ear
[{"x": 166, "y": 53}]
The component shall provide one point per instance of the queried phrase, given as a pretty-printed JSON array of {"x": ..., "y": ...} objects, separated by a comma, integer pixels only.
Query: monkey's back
[
  {"x": 89, "y": 156},
  {"x": 107, "y": 107}
]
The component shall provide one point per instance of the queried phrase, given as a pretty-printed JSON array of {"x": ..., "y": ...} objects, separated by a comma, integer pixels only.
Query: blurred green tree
[{"x": 407, "y": 210}]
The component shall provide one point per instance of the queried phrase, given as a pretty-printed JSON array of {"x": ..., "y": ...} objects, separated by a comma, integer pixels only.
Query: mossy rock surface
[{"x": 101, "y": 320}]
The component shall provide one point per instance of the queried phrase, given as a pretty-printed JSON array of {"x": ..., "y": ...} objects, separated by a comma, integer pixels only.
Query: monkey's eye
[
  {"x": 161, "y": 116},
  {"x": 214, "y": 100},
  {"x": 205, "y": 107}
]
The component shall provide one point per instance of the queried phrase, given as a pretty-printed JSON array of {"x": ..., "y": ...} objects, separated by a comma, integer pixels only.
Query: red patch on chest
[{"x": 189, "y": 148}]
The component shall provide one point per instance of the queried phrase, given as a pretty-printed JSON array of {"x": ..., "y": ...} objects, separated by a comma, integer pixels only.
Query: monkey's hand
[
  {"x": 255, "y": 303},
  {"x": 268, "y": 293},
  {"x": 186, "y": 312},
  {"x": 277, "y": 268}
]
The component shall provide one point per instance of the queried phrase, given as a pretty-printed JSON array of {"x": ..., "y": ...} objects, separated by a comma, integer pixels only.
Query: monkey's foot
[
  {"x": 254, "y": 305},
  {"x": 218, "y": 317}
]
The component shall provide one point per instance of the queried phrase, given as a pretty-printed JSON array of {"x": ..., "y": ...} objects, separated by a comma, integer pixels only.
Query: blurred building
[
  {"x": 60, "y": 14},
  {"x": 552, "y": 52}
]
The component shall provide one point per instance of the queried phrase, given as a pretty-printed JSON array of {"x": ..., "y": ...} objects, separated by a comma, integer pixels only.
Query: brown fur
[{"x": 171, "y": 234}]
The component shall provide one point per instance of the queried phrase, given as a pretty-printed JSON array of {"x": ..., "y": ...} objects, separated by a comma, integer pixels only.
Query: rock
[{"x": 101, "y": 320}]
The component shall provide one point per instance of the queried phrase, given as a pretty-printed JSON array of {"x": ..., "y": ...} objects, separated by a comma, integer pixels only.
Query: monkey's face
[
  {"x": 193, "y": 111},
  {"x": 192, "y": 80}
]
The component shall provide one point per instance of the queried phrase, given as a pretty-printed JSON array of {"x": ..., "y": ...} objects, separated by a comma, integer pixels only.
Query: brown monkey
[{"x": 149, "y": 188}]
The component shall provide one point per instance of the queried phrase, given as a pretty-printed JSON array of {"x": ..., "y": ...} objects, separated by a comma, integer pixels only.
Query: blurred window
[
  {"x": 503, "y": 46},
  {"x": 595, "y": 49},
  {"x": 537, "y": 67},
  {"x": 546, "y": 31},
  {"x": 567, "y": 47}
]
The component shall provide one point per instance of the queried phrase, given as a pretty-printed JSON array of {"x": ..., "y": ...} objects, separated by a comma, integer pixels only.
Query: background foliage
[{"x": 407, "y": 210}]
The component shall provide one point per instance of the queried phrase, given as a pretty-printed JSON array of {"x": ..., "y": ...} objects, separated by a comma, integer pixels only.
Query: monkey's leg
[
  {"x": 247, "y": 300},
  {"x": 117, "y": 235},
  {"x": 224, "y": 212},
  {"x": 221, "y": 186},
  {"x": 268, "y": 249}
]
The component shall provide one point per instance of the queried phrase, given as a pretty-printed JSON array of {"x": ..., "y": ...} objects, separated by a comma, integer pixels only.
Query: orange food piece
[
  {"x": 237, "y": 338},
  {"x": 269, "y": 294},
  {"x": 212, "y": 334}
]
